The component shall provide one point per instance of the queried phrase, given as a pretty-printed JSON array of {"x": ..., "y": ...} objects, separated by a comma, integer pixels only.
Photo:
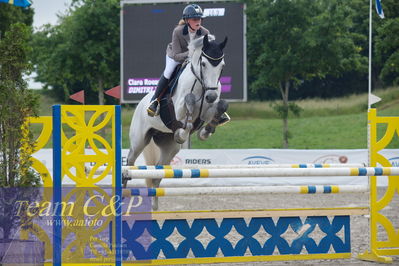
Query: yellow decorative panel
[
  {"x": 42, "y": 139},
  {"x": 85, "y": 230},
  {"x": 86, "y": 130},
  {"x": 377, "y": 205}
]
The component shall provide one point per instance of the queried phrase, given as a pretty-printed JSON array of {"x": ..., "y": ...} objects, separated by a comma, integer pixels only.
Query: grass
[
  {"x": 355, "y": 103},
  {"x": 339, "y": 123},
  {"x": 46, "y": 102},
  {"x": 334, "y": 132}
]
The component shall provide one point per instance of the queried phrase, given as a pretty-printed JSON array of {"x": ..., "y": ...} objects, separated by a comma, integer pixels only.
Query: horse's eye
[{"x": 203, "y": 64}]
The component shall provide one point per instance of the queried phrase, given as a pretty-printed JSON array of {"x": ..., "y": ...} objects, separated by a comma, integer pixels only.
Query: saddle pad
[{"x": 174, "y": 80}]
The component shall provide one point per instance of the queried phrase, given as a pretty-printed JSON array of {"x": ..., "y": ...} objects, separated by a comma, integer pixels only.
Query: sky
[{"x": 46, "y": 12}]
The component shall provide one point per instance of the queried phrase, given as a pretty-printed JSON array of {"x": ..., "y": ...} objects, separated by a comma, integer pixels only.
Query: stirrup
[
  {"x": 153, "y": 109},
  {"x": 224, "y": 119}
]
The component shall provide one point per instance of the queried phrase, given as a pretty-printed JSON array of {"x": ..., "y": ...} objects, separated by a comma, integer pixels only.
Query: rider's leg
[
  {"x": 162, "y": 86},
  {"x": 153, "y": 109}
]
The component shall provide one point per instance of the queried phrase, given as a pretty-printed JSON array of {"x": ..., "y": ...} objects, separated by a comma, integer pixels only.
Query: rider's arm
[{"x": 177, "y": 52}]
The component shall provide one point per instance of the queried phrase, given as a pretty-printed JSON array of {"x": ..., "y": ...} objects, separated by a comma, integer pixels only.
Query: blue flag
[
  {"x": 22, "y": 3},
  {"x": 378, "y": 7}
]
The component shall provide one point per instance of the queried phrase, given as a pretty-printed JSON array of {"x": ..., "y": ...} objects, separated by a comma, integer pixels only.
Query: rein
[
  {"x": 200, "y": 79},
  {"x": 201, "y": 98}
]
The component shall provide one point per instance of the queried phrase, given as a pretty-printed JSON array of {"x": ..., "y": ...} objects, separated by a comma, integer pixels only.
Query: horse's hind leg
[
  {"x": 169, "y": 148},
  {"x": 137, "y": 145}
]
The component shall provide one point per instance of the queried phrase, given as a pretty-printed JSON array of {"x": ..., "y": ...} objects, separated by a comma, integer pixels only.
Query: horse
[{"x": 196, "y": 107}]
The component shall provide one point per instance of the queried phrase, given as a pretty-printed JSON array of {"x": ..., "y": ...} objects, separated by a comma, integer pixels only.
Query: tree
[
  {"x": 349, "y": 81},
  {"x": 16, "y": 104},
  {"x": 299, "y": 40},
  {"x": 80, "y": 53},
  {"x": 52, "y": 61},
  {"x": 387, "y": 44},
  {"x": 10, "y": 14}
]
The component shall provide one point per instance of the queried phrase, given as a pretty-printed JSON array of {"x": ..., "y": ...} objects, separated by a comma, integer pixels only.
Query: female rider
[{"x": 189, "y": 28}]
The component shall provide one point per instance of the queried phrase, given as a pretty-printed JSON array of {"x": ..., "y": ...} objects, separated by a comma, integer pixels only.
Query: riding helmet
[{"x": 192, "y": 11}]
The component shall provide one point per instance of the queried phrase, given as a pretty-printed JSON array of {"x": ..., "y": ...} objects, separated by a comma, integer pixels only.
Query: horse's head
[{"x": 207, "y": 63}]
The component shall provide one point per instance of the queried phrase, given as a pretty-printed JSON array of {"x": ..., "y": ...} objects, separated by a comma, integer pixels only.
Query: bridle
[{"x": 200, "y": 77}]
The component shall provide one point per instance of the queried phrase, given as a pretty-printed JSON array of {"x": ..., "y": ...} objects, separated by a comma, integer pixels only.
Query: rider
[{"x": 189, "y": 28}]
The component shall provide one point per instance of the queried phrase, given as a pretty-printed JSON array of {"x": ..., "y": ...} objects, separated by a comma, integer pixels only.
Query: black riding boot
[{"x": 153, "y": 109}]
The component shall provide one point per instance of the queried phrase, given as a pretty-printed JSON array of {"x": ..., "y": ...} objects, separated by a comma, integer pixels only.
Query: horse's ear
[
  {"x": 206, "y": 42},
  {"x": 223, "y": 44}
]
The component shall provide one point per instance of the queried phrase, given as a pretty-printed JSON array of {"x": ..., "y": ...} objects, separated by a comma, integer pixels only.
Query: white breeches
[{"x": 170, "y": 66}]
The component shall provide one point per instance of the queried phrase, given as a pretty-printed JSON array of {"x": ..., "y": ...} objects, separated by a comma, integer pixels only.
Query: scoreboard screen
[{"x": 146, "y": 29}]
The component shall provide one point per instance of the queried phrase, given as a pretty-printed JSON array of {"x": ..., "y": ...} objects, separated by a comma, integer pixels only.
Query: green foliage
[
  {"x": 306, "y": 40},
  {"x": 387, "y": 44},
  {"x": 17, "y": 103},
  {"x": 299, "y": 40},
  {"x": 82, "y": 52},
  {"x": 320, "y": 46},
  {"x": 283, "y": 110},
  {"x": 10, "y": 14},
  {"x": 16, "y": 144}
]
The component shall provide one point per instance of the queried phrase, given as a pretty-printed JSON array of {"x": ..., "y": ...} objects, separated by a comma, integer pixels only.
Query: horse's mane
[{"x": 197, "y": 43}]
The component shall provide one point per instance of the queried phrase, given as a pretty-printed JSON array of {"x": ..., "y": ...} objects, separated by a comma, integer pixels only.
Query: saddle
[{"x": 174, "y": 79}]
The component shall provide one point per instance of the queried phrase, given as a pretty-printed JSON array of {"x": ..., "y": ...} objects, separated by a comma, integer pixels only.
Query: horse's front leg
[
  {"x": 181, "y": 135},
  {"x": 210, "y": 128}
]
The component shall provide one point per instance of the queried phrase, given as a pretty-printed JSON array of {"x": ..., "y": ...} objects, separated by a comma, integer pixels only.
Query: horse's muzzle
[{"x": 211, "y": 96}]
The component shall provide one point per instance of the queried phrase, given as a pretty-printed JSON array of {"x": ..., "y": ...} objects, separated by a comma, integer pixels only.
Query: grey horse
[{"x": 196, "y": 98}]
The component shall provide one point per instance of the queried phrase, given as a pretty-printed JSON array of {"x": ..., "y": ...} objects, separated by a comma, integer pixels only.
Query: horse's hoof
[
  {"x": 203, "y": 134},
  {"x": 178, "y": 136},
  {"x": 179, "y": 140}
]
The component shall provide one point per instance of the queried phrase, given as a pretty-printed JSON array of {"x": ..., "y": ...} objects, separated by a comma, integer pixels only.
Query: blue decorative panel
[{"x": 144, "y": 240}]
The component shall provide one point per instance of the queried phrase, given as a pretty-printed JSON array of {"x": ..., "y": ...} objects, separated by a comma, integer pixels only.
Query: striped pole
[
  {"x": 206, "y": 191},
  {"x": 229, "y": 166},
  {"x": 277, "y": 172},
  {"x": 101, "y": 169}
]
